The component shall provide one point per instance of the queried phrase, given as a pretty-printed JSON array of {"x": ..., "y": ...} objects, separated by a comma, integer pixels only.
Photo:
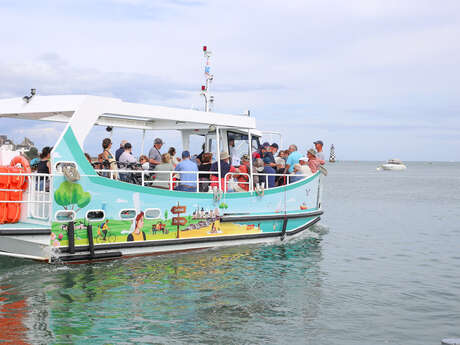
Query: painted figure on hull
[{"x": 138, "y": 234}]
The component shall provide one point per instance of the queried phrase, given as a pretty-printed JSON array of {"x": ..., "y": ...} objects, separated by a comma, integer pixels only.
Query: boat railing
[
  {"x": 36, "y": 195},
  {"x": 169, "y": 179}
]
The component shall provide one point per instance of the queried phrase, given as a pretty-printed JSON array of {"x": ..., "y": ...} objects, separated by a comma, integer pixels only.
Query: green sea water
[{"x": 383, "y": 270}]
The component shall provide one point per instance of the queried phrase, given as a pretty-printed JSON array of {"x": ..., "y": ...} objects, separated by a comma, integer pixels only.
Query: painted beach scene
[{"x": 198, "y": 172}]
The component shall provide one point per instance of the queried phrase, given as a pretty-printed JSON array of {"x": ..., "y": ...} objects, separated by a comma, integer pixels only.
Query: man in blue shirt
[
  {"x": 189, "y": 177},
  {"x": 292, "y": 159}
]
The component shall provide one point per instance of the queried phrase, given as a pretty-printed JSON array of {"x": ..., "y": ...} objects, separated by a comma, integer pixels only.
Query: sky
[{"x": 378, "y": 79}]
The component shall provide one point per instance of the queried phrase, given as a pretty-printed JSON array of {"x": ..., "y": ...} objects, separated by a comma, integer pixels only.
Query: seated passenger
[
  {"x": 313, "y": 162},
  {"x": 172, "y": 153},
  {"x": 144, "y": 161},
  {"x": 304, "y": 167},
  {"x": 258, "y": 167},
  {"x": 187, "y": 178},
  {"x": 164, "y": 179},
  {"x": 225, "y": 168},
  {"x": 205, "y": 165},
  {"x": 292, "y": 159},
  {"x": 126, "y": 158},
  {"x": 243, "y": 185},
  {"x": 296, "y": 170}
]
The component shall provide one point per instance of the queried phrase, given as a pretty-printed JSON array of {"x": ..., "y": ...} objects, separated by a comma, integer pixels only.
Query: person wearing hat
[
  {"x": 313, "y": 161},
  {"x": 188, "y": 178},
  {"x": 154, "y": 153},
  {"x": 319, "y": 149},
  {"x": 258, "y": 167},
  {"x": 225, "y": 168},
  {"x": 34, "y": 164}
]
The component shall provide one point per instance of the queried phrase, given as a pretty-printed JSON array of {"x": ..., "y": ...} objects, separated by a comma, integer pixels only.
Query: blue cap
[
  {"x": 34, "y": 161},
  {"x": 185, "y": 154}
]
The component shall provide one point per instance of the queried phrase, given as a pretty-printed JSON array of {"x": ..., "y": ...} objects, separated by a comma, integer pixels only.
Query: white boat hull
[{"x": 393, "y": 167}]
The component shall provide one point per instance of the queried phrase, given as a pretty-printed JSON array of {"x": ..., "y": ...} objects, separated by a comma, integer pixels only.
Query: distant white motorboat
[{"x": 393, "y": 164}]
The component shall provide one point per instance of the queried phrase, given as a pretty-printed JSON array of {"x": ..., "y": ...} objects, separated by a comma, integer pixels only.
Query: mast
[
  {"x": 208, "y": 99},
  {"x": 332, "y": 155}
]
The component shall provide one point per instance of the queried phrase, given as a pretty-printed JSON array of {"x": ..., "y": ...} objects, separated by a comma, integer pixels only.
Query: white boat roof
[{"x": 82, "y": 112}]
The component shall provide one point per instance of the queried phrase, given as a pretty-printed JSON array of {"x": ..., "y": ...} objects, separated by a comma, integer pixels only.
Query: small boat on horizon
[{"x": 393, "y": 164}]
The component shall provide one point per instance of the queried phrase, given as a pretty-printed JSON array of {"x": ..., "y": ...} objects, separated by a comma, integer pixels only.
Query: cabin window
[
  {"x": 95, "y": 215},
  {"x": 152, "y": 213},
  {"x": 60, "y": 165},
  {"x": 238, "y": 145},
  {"x": 128, "y": 214},
  {"x": 64, "y": 216}
]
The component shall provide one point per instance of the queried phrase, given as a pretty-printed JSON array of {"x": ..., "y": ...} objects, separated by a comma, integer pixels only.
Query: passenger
[
  {"x": 225, "y": 168},
  {"x": 34, "y": 164},
  {"x": 260, "y": 153},
  {"x": 144, "y": 161},
  {"x": 297, "y": 169},
  {"x": 280, "y": 168},
  {"x": 164, "y": 179},
  {"x": 243, "y": 185},
  {"x": 258, "y": 167},
  {"x": 172, "y": 153},
  {"x": 206, "y": 161},
  {"x": 120, "y": 150},
  {"x": 319, "y": 149},
  {"x": 154, "y": 153},
  {"x": 106, "y": 157},
  {"x": 127, "y": 157},
  {"x": 44, "y": 166},
  {"x": 304, "y": 167},
  {"x": 313, "y": 161},
  {"x": 199, "y": 158},
  {"x": 138, "y": 234},
  {"x": 188, "y": 178},
  {"x": 292, "y": 159},
  {"x": 269, "y": 157},
  {"x": 234, "y": 158}
]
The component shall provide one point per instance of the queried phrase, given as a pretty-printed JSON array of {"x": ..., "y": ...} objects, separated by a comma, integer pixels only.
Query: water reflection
[{"x": 231, "y": 295}]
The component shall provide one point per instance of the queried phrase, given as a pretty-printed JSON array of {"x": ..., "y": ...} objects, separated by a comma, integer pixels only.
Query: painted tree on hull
[{"x": 71, "y": 195}]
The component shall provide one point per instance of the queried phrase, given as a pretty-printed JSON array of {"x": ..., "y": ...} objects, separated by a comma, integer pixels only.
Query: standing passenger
[
  {"x": 154, "y": 153},
  {"x": 120, "y": 150},
  {"x": 319, "y": 150}
]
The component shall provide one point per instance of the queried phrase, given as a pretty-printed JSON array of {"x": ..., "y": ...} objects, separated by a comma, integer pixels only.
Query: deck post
[
  {"x": 218, "y": 157},
  {"x": 251, "y": 184},
  {"x": 143, "y": 141}
]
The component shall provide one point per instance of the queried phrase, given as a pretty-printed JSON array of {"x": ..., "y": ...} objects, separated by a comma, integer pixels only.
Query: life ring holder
[{"x": 24, "y": 163}]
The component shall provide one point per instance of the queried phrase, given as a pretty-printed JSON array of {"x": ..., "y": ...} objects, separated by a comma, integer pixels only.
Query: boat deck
[{"x": 23, "y": 226}]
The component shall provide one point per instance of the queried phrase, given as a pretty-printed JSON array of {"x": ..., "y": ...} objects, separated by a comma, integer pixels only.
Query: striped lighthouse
[{"x": 332, "y": 154}]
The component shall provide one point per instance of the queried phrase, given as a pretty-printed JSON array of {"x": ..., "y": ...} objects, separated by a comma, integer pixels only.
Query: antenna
[{"x": 208, "y": 99}]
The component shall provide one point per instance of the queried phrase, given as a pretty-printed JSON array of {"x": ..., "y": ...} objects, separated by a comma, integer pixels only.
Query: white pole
[
  {"x": 218, "y": 156},
  {"x": 143, "y": 141},
  {"x": 251, "y": 184}
]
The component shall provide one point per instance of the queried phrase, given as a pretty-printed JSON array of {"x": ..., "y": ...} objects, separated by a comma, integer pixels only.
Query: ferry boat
[
  {"x": 86, "y": 215},
  {"x": 81, "y": 213}
]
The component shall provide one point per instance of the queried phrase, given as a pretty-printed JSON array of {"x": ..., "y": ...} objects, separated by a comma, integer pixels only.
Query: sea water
[{"x": 384, "y": 270}]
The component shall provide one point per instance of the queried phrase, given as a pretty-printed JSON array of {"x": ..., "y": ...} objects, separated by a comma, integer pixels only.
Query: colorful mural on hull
[{"x": 136, "y": 213}]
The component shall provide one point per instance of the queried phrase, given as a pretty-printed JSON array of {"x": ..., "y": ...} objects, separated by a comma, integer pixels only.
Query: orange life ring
[{"x": 23, "y": 162}]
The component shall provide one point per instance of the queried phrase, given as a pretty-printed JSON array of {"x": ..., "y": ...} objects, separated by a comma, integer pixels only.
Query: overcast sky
[{"x": 378, "y": 79}]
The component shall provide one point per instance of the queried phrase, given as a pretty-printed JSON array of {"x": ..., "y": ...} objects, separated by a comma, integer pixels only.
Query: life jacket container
[
  {"x": 4, "y": 184},
  {"x": 17, "y": 185}
]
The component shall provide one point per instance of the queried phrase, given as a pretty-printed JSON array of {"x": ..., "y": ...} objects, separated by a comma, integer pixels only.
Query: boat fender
[
  {"x": 323, "y": 170},
  {"x": 260, "y": 190},
  {"x": 71, "y": 173}
]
